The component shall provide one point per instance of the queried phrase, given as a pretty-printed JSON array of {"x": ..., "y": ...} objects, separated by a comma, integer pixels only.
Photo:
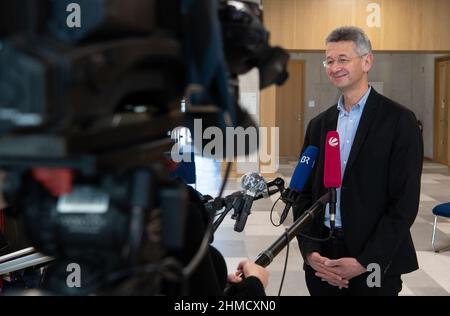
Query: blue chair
[{"x": 442, "y": 210}]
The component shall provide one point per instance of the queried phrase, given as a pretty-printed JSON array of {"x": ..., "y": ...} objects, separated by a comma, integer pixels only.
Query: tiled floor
[{"x": 433, "y": 277}]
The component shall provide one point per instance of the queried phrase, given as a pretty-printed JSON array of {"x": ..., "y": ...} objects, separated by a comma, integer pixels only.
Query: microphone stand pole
[{"x": 266, "y": 257}]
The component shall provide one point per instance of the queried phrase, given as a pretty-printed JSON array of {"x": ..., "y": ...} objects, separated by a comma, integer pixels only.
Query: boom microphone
[
  {"x": 301, "y": 174},
  {"x": 267, "y": 256},
  {"x": 332, "y": 171}
]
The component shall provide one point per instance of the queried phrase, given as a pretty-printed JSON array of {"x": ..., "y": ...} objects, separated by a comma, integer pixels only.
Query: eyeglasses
[{"x": 341, "y": 61}]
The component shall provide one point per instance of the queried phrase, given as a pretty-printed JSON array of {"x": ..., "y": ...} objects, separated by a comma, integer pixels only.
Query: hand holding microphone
[
  {"x": 247, "y": 268},
  {"x": 332, "y": 181}
]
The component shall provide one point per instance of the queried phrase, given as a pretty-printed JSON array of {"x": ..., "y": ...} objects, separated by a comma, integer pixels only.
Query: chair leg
[{"x": 433, "y": 237}]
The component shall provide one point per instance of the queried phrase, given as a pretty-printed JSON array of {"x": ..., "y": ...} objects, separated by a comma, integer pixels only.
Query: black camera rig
[{"x": 84, "y": 117}]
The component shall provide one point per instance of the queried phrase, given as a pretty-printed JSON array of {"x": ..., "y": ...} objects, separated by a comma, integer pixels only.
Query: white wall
[{"x": 249, "y": 89}]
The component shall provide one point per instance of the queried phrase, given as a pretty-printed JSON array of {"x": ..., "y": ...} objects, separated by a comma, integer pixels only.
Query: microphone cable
[
  {"x": 271, "y": 213},
  {"x": 285, "y": 262},
  {"x": 287, "y": 245},
  {"x": 316, "y": 238},
  {"x": 225, "y": 179}
]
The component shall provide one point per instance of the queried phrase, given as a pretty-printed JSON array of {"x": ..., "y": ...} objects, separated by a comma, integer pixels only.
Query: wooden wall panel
[{"x": 406, "y": 25}]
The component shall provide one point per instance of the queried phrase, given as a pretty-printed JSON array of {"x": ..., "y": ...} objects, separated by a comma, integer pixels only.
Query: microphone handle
[
  {"x": 332, "y": 208},
  {"x": 285, "y": 212},
  {"x": 289, "y": 196},
  {"x": 266, "y": 257},
  {"x": 242, "y": 219}
]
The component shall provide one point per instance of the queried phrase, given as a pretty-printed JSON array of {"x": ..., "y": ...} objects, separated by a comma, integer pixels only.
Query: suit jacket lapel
[{"x": 363, "y": 128}]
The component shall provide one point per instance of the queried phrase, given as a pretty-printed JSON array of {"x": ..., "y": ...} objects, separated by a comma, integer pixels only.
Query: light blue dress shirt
[{"x": 347, "y": 126}]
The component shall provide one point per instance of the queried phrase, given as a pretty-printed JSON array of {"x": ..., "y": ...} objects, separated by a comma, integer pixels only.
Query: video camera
[{"x": 85, "y": 108}]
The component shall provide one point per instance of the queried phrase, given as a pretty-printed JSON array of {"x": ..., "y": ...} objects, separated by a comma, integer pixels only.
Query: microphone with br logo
[{"x": 301, "y": 174}]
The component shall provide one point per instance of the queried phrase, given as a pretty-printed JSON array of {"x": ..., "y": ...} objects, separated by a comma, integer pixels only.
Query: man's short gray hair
[{"x": 353, "y": 34}]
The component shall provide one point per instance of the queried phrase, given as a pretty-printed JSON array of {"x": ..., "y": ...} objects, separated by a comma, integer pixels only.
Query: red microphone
[{"x": 332, "y": 171}]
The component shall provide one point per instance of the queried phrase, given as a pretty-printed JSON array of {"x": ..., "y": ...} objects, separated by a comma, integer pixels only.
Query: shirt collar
[{"x": 358, "y": 107}]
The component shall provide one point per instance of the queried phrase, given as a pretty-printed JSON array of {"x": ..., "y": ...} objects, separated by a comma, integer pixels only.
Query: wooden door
[
  {"x": 442, "y": 99},
  {"x": 289, "y": 104}
]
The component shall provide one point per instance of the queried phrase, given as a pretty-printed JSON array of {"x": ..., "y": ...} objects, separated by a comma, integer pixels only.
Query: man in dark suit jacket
[{"x": 381, "y": 164}]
